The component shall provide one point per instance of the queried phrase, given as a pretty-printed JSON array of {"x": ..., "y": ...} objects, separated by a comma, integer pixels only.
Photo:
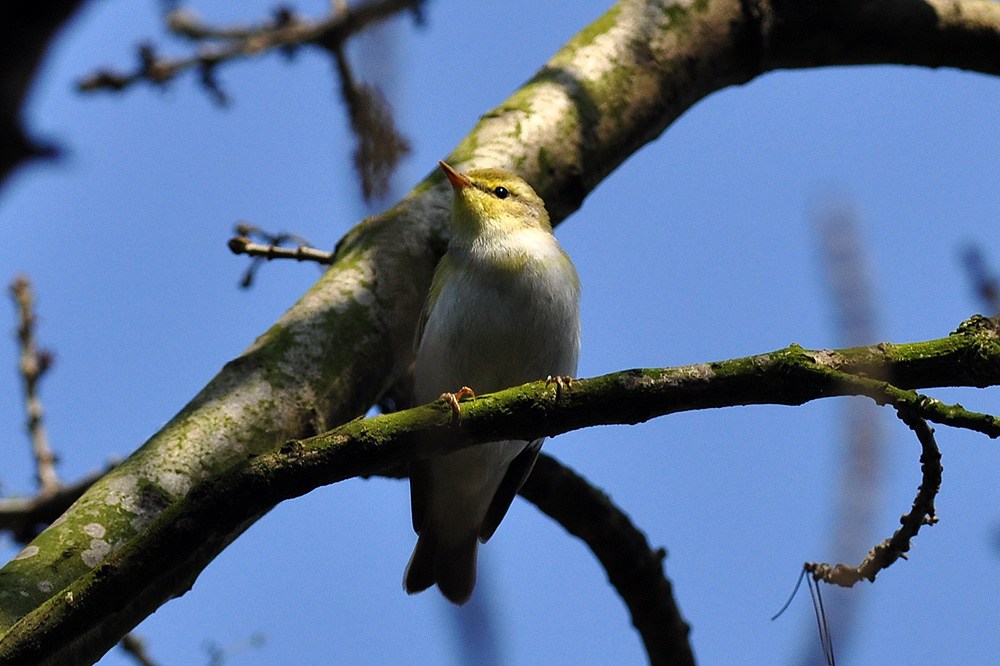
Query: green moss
[{"x": 585, "y": 37}]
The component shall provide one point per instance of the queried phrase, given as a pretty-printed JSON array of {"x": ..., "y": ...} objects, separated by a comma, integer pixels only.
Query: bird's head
[{"x": 494, "y": 201}]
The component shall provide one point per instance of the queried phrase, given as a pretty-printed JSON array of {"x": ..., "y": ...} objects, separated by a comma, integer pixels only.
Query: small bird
[{"x": 503, "y": 310}]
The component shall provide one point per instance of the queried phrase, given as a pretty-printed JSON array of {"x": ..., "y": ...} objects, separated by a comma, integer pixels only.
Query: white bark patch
[
  {"x": 824, "y": 357},
  {"x": 603, "y": 54},
  {"x": 174, "y": 483},
  {"x": 122, "y": 492},
  {"x": 95, "y": 530},
  {"x": 498, "y": 141},
  {"x": 29, "y": 551},
  {"x": 550, "y": 102},
  {"x": 99, "y": 549},
  {"x": 45, "y": 586},
  {"x": 700, "y": 371}
]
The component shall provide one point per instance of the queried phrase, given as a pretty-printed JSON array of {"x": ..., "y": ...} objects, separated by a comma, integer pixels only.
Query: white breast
[{"x": 491, "y": 329}]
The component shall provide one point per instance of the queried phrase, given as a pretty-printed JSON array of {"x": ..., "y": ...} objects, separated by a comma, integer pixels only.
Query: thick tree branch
[
  {"x": 611, "y": 89},
  {"x": 25, "y": 518},
  {"x": 86, "y": 618}
]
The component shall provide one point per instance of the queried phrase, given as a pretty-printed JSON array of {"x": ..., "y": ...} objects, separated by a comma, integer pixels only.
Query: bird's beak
[{"x": 458, "y": 181}]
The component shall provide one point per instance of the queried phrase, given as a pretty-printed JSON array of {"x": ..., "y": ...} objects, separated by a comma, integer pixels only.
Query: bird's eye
[{"x": 501, "y": 192}]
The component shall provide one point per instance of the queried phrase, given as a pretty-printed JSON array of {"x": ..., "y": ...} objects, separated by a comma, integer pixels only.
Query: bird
[{"x": 503, "y": 310}]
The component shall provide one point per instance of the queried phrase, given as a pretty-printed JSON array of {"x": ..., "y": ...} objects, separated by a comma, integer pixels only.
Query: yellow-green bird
[{"x": 503, "y": 310}]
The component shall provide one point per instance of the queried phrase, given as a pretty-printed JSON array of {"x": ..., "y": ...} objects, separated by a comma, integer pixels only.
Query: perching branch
[{"x": 200, "y": 525}]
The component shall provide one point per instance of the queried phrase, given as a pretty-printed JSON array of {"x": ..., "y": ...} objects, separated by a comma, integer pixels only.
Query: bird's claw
[
  {"x": 453, "y": 399},
  {"x": 561, "y": 381}
]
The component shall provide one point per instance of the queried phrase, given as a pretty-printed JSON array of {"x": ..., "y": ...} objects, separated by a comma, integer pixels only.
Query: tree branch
[
  {"x": 34, "y": 364},
  {"x": 884, "y": 554},
  {"x": 242, "y": 245},
  {"x": 25, "y": 518},
  {"x": 86, "y": 618},
  {"x": 611, "y": 89},
  {"x": 286, "y": 30}
]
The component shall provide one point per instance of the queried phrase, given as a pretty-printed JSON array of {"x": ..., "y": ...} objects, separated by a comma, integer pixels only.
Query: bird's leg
[
  {"x": 561, "y": 382},
  {"x": 453, "y": 399}
]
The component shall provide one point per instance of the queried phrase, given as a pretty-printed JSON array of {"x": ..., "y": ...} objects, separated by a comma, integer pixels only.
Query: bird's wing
[
  {"x": 517, "y": 474},
  {"x": 442, "y": 274}
]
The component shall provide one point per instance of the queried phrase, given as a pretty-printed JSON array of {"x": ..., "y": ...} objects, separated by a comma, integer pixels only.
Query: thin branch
[
  {"x": 884, "y": 554},
  {"x": 285, "y": 31},
  {"x": 635, "y": 569},
  {"x": 243, "y": 245},
  {"x": 33, "y": 364},
  {"x": 271, "y": 248}
]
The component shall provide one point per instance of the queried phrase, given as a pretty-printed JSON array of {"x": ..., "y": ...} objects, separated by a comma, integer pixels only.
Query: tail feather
[
  {"x": 419, "y": 574},
  {"x": 455, "y": 571},
  {"x": 453, "y": 568}
]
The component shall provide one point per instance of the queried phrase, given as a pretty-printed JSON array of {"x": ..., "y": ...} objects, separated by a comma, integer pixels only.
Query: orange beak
[{"x": 458, "y": 181}]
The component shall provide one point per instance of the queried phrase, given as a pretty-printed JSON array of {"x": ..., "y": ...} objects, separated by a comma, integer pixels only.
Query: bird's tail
[{"x": 452, "y": 567}]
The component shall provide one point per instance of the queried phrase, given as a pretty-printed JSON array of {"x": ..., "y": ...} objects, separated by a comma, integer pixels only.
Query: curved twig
[{"x": 884, "y": 554}]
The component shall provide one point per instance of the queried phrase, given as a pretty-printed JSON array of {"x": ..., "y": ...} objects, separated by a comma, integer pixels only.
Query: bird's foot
[
  {"x": 454, "y": 398},
  {"x": 562, "y": 382}
]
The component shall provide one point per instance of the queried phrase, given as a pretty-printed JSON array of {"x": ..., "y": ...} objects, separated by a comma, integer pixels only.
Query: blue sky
[{"x": 701, "y": 247}]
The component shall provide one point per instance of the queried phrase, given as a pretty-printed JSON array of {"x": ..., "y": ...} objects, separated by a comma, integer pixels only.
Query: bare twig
[
  {"x": 243, "y": 245},
  {"x": 33, "y": 364},
  {"x": 286, "y": 30},
  {"x": 271, "y": 248},
  {"x": 634, "y": 568},
  {"x": 27, "y": 28},
  {"x": 884, "y": 554}
]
